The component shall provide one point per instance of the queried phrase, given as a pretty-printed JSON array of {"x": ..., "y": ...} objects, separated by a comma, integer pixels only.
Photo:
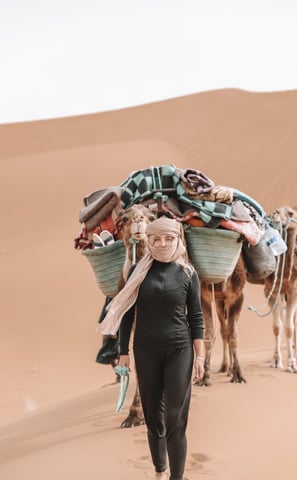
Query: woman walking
[{"x": 163, "y": 297}]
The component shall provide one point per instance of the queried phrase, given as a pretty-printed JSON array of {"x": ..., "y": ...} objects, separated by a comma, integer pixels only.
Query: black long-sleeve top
[{"x": 168, "y": 310}]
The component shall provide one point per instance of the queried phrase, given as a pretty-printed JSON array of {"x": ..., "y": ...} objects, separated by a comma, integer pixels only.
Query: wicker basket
[
  {"x": 107, "y": 263},
  {"x": 213, "y": 252}
]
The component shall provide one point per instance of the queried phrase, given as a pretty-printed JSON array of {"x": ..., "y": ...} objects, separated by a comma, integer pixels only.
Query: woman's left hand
[{"x": 199, "y": 368}]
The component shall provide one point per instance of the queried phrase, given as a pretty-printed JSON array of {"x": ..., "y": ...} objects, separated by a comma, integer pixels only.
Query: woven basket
[
  {"x": 107, "y": 263},
  {"x": 213, "y": 252}
]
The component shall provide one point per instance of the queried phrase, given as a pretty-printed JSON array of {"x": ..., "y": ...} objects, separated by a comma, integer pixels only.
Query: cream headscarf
[{"x": 121, "y": 303}]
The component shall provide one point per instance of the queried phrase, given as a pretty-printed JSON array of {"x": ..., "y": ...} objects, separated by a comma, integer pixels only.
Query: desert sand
[{"x": 57, "y": 405}]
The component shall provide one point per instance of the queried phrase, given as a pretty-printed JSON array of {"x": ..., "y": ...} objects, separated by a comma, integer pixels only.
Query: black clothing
[
  {"x": 109, "y": 350},
  {"x": 168, "y": 319},
  {"x": 168, "y": 310},
  {"x": 164, "y": 378}
]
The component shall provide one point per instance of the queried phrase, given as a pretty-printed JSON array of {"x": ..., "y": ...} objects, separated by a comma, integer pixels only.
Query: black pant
[{"x": 164, "y": 378}]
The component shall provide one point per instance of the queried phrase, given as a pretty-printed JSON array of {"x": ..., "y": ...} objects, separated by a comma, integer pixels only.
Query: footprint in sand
[
  {"x": 194, "y": 462},
  {"x": 142, "y": 462},
  {"x": 205, "y": 464},
  {"x": 141, "y": 438},
  {"x": 106, "y": 419}
]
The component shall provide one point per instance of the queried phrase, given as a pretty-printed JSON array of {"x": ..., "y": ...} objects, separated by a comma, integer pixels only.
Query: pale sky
[{"x": 71, "y": 57}]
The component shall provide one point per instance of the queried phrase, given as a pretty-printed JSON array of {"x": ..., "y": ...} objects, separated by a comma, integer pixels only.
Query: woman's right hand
[{"x": 124, "y": 361}]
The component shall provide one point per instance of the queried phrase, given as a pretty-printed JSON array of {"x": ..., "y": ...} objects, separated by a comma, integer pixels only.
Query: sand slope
[{"x": 57, "y": 405}]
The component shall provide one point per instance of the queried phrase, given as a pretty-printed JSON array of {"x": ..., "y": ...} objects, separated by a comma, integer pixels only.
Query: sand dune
[{"x": 57, "y": 406}]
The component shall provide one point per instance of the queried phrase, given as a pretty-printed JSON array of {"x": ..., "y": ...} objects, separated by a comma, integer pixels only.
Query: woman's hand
[
  {"x": 199, "y": 368},
  {"x": 124, "y": 361}
]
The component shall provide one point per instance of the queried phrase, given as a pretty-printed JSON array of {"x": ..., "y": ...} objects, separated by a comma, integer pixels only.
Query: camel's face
[
  {"x": 135, "y": 220},
  {"x": 283, "y": 215}
]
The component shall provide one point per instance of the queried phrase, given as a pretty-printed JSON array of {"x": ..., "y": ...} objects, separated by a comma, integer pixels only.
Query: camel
[
  {"x": 228, "y": 297},
  {"x": 134, "y": 221},
  {"x": 281, "y": 292},
  {"x": 133, "y": 226}
]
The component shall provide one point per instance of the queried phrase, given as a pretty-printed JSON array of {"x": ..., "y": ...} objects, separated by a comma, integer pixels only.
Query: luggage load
[
  {"x": 259, "y": 260},
  {"x": 217, "y": 222},
  {"x": 213, "y": 252},
  {"x": 107, "y": 264}
]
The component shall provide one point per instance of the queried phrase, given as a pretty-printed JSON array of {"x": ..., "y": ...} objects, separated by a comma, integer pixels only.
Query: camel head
[
  {"x": 285, "y": 216},
  {"x": 134, "y": 222}
]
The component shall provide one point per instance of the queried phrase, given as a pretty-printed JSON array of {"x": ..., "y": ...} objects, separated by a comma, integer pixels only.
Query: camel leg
[
  {"x": 208, "y": 342},
  {"x": 290, "y": 330},
  {"x": 225, "y": 365},
  {"x": 277, "y": 326},
  {"x": 135, "y": 416},
  {"x": 295, "y": 335},
  {"x": 233, "y": 318}
]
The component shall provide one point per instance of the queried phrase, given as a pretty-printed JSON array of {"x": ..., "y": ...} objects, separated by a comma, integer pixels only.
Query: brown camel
[
  {"x": 134, "y": 221},
  {"x": 228, "y": 297},
  {"x": 133, "y": 227},
  {"x": 281, "y": 291}
]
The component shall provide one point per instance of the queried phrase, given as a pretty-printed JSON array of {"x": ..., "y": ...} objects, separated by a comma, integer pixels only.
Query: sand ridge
[{"x": 57, "y": 406}]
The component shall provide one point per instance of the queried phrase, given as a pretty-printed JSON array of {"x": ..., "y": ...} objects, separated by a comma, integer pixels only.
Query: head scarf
[{"x": 126, "y": 297}]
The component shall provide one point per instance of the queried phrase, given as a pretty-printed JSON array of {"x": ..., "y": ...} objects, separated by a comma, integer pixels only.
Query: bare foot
[{"x": 162, "y": 475}]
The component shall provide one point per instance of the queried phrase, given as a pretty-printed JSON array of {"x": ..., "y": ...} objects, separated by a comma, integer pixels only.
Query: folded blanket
[
  {"x": 249, "y": 230},
  {"x": 223, "y": 194},
  {"x": 101, "y": 207},
  {"x": 93, "y": 196},
  {"x": 195, "y": 182},
  {"x": 240, "y": 212}
]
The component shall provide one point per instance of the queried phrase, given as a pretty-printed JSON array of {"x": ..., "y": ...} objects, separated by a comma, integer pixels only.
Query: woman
[{"x": 163, "y": 295}]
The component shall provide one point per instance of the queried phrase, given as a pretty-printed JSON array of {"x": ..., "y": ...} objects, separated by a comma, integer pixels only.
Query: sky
[{"x": 70, "y": 57}]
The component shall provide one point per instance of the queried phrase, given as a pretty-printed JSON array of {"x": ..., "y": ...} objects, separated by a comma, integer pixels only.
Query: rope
[
  {"x": 264, "y": 305},
  {"x": 214, "y": 312},
  {"x": 123, "y": 372}
]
